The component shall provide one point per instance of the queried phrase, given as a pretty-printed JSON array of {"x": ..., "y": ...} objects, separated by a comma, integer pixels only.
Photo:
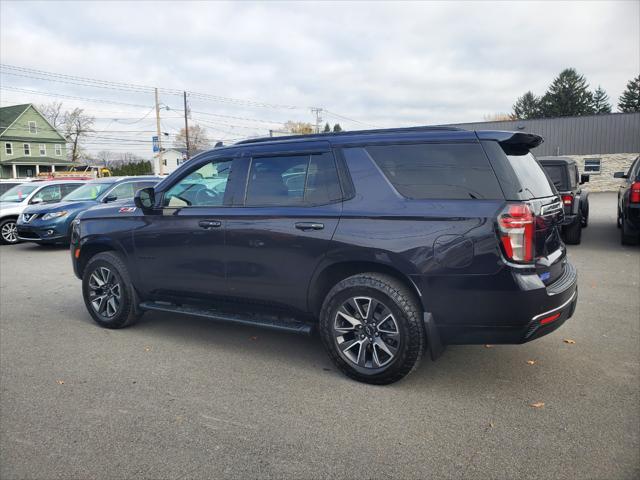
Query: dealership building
[{"x": 601, "y": 144}]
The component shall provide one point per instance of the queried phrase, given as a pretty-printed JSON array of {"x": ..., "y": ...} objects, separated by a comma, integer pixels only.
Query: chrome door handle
[
  {"x": 208, "y": 224},
  {"x": 309, "y": 226}
]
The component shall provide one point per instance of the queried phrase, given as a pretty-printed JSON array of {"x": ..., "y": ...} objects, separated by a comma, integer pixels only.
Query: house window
[
  {"x": 58, "y": 150},
  {"x": 43, "y": 150},
  {"x": 33, "y": 128},
  {"x": 27, "y": 149},
  {"x": 8, "y": 148},
  {"x": 592, "y": 165}
]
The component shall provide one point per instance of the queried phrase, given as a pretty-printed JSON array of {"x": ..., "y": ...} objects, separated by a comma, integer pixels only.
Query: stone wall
[{"x": 609, "y": 164}]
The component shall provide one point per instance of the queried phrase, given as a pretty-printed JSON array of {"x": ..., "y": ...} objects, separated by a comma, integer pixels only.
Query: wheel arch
[
  {"x": 91, "y": 249},
  {"x": 331, "y": 274}
]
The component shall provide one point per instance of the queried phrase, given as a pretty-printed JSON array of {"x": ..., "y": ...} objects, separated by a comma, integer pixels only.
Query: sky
[{"x": 367, "y": 64}]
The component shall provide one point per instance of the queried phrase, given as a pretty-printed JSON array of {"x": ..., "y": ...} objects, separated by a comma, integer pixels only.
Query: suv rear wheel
[
  {"x": 107, "y": 291},
  {"x": 372, "y": 329}
]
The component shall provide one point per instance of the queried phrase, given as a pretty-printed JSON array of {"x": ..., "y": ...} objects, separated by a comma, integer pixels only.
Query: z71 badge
[{"x": 127, "y": 210}]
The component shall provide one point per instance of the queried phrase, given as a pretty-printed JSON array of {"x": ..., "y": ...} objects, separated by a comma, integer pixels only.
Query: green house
[{"x": 29, "y": 144}]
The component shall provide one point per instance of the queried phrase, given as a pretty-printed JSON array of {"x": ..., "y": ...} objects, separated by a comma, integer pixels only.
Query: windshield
[
  {"x": 18, "y": 193},
  {"x": 89, "y": 191},
  {"x": 532, "y": 178}
]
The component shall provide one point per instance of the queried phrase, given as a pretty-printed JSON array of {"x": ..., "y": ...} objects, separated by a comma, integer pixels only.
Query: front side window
[
  {"x": 43, "y": 150},
  {"x": 293, "y": 180},
  {"x": 50, "y": 193},
  {"x": 122, "y": 191},
  {"x": 204, "y": 187},
  {"x": 58, "y": 150},
  {"x": 27, "y": 149},
  {"x": 33, "y": 128},
  {"x": 438, "y": 171},
  {"x": 8, "y": 148},
  {"x": 18, "y": 193},
  {"x": 88, "y": 191}
]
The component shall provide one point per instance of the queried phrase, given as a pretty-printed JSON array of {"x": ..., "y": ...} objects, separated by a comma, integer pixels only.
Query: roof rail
[{"x": 352, "y": 132}]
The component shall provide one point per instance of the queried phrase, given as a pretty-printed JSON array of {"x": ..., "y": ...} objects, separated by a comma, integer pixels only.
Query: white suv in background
[{"x": 16, "y": 199}]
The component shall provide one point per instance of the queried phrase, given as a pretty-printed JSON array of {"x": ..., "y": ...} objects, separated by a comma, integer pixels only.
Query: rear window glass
[
  {"x": 531, "y": 176},
  {"x": 557, "y": 175},
  {"x": 438, "y": 171}
]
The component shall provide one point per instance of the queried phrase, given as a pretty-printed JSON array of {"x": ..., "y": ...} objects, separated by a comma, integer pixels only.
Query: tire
[
  {"x": 402, "y": 333},
  {"x": 117, "y": 309},
  {"x": 8, "y": 232},
  {"x": 573, "y": 232},
  {"x": 585, "y": 216},
  {"x": 626, "y": 238}
]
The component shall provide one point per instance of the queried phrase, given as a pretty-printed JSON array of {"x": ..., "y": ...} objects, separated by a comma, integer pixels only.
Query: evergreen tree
[
  {"x": 527, "y": 106},
  {"x": 327, "y": 128},
  {"x": 601, "y": 101},
  {"x": 629, "y": 101},
  {"x": 567, "y": 96},
  {"x": 336, "y": 128}
]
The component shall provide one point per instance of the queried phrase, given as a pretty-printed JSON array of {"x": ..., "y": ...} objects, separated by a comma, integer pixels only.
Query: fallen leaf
[
  {"x": 60, "y": 382},
  {"x": 538, "y": 405},
  {"x": 147, "y": 349},
  {"x": 531, "y": 362},
  {"x": 488, "y": 346},
  {"x": 253, "y": 338},
  {"x": 490, "y": 424},
  {"x": 569, "y": 341}
]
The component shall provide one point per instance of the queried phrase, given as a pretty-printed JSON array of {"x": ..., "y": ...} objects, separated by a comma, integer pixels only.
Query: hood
[
  {"x": 60, "y": 206},
  {"x": 8, "y": 208}
]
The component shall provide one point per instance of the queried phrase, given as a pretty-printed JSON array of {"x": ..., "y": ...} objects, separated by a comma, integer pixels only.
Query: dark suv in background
[
  {"x": 629, "y": 204},
  {"x": 565, "y": 176},
  {"x": 389, "y": 242}
]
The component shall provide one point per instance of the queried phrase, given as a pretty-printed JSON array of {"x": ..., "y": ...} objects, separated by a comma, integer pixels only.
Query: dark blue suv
[{"x": 389, "y": 242}]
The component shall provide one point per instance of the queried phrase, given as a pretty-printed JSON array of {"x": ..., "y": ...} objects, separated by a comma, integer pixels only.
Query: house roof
[{"x": 8, "y": 115}]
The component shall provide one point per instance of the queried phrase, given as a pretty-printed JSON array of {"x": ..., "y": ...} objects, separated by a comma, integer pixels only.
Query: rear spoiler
[{"x": 512, "y": 140}]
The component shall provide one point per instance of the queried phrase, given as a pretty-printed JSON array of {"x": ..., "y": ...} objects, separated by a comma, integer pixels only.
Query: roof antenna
[{"x": 218, "y": 145}]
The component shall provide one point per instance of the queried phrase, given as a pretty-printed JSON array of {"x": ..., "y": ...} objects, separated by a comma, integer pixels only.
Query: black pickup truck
[{"x": 564, "y": 174}]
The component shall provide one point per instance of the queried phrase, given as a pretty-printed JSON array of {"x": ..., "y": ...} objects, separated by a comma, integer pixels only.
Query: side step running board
[{"x": 263, "y": 320}]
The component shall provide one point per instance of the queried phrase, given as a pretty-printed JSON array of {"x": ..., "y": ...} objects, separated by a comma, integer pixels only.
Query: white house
[{"x": 172, "y": 158}]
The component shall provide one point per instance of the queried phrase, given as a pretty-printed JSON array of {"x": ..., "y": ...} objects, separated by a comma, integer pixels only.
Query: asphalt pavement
[{"x": 180, "y": 397}]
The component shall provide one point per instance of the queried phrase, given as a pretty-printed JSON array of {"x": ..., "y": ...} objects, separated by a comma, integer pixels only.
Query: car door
[
  {"x": 289, "y": 213},
  {"x": 179, "y": 248}
]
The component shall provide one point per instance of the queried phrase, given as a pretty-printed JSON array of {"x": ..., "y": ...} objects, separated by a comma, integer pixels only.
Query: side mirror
[
  {"x": 145, "y": 198},
  {"x": 584, "y": 178},
  {"x": 620, "y": 175},
  {"x": 36, "y": 200},
  {"x": 110, "y": 198}
]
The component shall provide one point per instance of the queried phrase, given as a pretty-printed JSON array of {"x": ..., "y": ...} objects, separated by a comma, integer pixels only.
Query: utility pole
[
  {"x": 159, "y": 133},
  {"x": 186, "y": 123},
  {"x": 317, "y": 111}
]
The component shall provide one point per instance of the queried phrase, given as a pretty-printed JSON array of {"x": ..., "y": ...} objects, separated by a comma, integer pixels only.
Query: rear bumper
[{"x": 485, "y": 310}]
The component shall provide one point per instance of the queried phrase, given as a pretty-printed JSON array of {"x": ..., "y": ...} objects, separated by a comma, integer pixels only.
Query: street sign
[{"x": 156, "y": 144}]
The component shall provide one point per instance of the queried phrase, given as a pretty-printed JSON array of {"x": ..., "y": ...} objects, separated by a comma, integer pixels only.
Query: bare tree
[
  {"x": 300, "y": 128},
  {"x": 198, "y": 139},
  {"x": 53, "y": 113},
  {"x": 499, "y": 117},
  {"x": 105, "y": 157},
  {"x": 76, "y": 126}
]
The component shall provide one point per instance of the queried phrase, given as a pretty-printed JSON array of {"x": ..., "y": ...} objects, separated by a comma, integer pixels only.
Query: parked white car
[{"x": 16, "y": 199}]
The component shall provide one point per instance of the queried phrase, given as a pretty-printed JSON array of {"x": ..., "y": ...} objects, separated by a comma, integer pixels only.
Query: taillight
[
  {"x": 516, "y": 224},
  {"x": 634, "y": 193},
  {"x": 567, "y": 200}
]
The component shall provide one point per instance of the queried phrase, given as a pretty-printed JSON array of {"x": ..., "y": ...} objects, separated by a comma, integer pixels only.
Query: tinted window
[
  {"x": 122, "y": 191},
  {"x": 89, "y": 191},
  {"x": 68, "y": 188},
  {"x": 532, "y": 179},
  {"x": 445, "y": 171},
  {"x": 204, "y": 187},
  {"x": 293, "y": 180},
  {"x": 556, "y": 174}
]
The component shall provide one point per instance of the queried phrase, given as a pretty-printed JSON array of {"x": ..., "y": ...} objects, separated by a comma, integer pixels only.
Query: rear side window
[
  {"x": 438, "y": 171},
  {"x": 68, "y": 188},
  {"x": 533, "y": 181},
  {"x": 293, "y": 180},
  {"x": 557, "y": 175}
]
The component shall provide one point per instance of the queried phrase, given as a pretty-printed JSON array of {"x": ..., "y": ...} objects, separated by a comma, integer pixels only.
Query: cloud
[{"x": 382, "y": 63}]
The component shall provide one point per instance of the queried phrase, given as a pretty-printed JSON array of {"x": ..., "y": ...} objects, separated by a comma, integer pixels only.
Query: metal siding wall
[{"x": 589, "y": 135}]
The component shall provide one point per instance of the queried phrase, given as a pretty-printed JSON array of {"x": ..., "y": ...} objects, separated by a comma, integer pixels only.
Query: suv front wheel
[
  {"x": 107, "y": 291},
  {"x": 372, "y": 329}
]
